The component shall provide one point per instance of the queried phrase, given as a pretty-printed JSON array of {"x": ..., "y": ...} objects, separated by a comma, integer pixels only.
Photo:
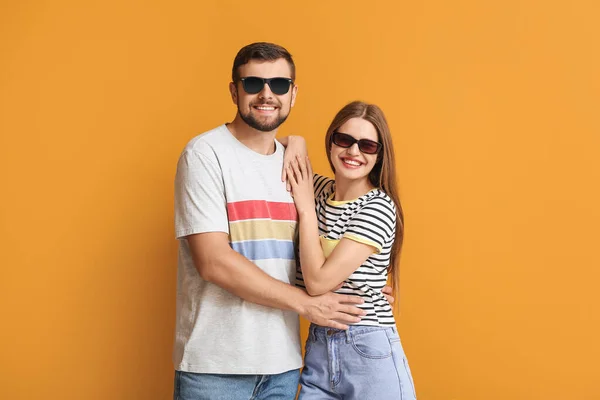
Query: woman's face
[{"x": 351, "y": 163}]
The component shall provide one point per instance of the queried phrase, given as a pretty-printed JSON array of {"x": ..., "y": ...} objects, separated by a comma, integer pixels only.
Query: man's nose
[{"x": 265, "y": 92}]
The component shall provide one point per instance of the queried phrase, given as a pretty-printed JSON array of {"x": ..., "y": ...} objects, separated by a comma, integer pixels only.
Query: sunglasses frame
[
  {"x": 359, "y": 141},
  {"x": 268, "y": 82}
]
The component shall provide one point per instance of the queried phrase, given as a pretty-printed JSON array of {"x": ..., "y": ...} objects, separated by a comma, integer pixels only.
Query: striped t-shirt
[{"x": 370, "y": 219}]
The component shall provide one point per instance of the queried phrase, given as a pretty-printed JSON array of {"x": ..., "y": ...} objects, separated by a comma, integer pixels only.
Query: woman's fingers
[
  {"x": 291, "y": 178},
  {"x": 297, "y": 172},
  {"x": 302, "y": 163},
  {"x": 309, "y": 168}
]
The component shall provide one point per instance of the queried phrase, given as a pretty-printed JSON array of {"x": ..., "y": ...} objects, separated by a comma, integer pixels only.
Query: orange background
[{"x": 494, "y": 110}]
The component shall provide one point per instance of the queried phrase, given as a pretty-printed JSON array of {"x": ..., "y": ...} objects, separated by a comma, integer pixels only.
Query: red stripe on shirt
[{"x": 260, "y": 209}]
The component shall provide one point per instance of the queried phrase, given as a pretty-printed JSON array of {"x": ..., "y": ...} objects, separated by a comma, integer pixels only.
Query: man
[{"x": 237, "y": 329}]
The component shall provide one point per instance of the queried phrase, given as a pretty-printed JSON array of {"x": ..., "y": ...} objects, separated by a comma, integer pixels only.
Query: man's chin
[
  {"x": 265, "y": 127},
  {"x": 262, "y": 126}
]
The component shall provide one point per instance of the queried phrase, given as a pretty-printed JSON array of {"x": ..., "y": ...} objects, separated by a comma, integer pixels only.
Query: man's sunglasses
[
  {"x": 254, "y": 84},
  {"x": 346, "y": 141}
]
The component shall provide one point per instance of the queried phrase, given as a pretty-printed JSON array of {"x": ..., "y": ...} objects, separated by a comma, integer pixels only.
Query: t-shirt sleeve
[
  {"x": 373, "y": 224},
  {"x": 322, "y": 185},
  {"x": 200, "y": 204}
]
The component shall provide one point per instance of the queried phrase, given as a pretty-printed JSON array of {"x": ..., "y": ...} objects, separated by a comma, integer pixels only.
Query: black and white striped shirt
[{"x": 370, "y": 219}]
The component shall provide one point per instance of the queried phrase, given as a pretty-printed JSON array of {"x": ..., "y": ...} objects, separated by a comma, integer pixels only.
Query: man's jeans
[
  {"x": 362, "y": 363},
  {"x": 191, "y": 386}
]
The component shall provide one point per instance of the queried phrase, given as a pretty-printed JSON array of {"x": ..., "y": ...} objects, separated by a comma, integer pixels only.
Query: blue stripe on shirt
[{"x": 265, "y": 249}]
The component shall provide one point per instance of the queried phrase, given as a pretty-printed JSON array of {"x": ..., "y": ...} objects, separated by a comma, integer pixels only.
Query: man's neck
[{"x": 258, "y": 141}]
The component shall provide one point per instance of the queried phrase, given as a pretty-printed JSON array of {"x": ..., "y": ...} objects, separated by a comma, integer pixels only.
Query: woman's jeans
[{"x": 363, "y": 363}]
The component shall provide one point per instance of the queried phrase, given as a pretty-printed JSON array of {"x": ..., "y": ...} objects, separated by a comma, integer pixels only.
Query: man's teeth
[
  {"x": 264, "y": 108},
  {"x": 352, "y": 162}
]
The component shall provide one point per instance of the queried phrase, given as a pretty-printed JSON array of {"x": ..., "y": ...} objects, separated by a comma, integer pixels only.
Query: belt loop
[
  {"x": 348, "y": 335},
  {"x": 311, "y": 333}
]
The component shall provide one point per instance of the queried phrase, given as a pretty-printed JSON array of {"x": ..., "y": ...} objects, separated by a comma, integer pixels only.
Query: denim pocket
[{"x": 372, "y": 344}]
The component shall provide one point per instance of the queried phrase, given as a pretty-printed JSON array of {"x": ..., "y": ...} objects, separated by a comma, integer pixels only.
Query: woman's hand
[
  {"x": 295, "y": 146},
  {"x": 300, "y": 178}
]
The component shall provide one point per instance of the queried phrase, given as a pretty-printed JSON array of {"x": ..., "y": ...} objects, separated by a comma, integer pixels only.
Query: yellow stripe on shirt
[{"x": 262, "y": 229}]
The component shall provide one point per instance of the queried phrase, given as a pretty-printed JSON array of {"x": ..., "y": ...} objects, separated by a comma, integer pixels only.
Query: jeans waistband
[{"x": 321, "y": 332}]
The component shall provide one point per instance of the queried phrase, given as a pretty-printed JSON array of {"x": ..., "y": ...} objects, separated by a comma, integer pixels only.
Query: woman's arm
[
  {"x": 320, "y": 274},
  {"x": 295, "y": 146}
]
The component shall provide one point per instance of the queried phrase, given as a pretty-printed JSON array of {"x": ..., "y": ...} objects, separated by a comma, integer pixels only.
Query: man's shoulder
[
  {"x": 207, "y": 140},
  {"x": 212, "y": 144}
]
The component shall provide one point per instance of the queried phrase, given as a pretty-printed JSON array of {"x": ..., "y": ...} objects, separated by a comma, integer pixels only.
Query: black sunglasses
[
  {"x": 365, "y": 145},
  {"x": 254, "y": 84}
]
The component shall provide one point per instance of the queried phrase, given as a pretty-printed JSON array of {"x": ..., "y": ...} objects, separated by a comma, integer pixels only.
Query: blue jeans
[
  {"x": 364, "y": 363},
  {"x": 191, "y": 386}
]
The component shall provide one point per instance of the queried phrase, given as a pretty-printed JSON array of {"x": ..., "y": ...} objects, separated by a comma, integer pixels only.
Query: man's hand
[
  {"x": 333, "y": 310},
  {"x": 387, "y": 292}
]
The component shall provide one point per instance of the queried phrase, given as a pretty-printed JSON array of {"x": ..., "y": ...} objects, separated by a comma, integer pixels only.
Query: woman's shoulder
[
  {"x": 323, "y": 185},
  {"x": 378, "y": 198},
  {"x": 322, "y": 178}
]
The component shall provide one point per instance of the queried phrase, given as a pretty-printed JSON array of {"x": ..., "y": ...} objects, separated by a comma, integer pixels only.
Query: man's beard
[{"x": 262, "y": 126}]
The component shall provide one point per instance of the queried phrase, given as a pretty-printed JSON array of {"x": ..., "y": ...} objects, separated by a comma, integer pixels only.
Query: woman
[{"x": 353, "y": 236}]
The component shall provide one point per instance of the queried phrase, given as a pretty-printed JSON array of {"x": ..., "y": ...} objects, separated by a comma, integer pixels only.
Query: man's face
[{"x": 263, "y": 111}]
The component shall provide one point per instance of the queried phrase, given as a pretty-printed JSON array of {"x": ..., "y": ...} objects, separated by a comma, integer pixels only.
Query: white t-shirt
[
  {"x": 223, "y": 186},
  {"x": 370, "y": 219}
]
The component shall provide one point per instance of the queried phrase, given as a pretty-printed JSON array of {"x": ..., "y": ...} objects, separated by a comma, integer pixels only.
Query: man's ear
[
  {"x": 233, "y": 92},
  {"x": 294, "y": 94}
]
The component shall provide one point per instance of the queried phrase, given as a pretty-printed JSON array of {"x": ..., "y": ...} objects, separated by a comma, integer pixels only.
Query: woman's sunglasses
[
  {"x": 346, "y": 141},
  {"x": 254, "y": 84}
]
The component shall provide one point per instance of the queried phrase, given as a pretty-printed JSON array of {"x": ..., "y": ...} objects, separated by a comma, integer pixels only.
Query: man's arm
[{"x": 219, "y": 264}]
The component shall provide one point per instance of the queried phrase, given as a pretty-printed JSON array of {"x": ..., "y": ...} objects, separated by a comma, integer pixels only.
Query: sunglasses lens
[
  {"x": 365, "y": 145},
  {"x": 343, "y": 140},
  {"x": 279, "y": 86},
  {"x": 368, "y": 146},
  {"x": 253, "y": 85}
]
